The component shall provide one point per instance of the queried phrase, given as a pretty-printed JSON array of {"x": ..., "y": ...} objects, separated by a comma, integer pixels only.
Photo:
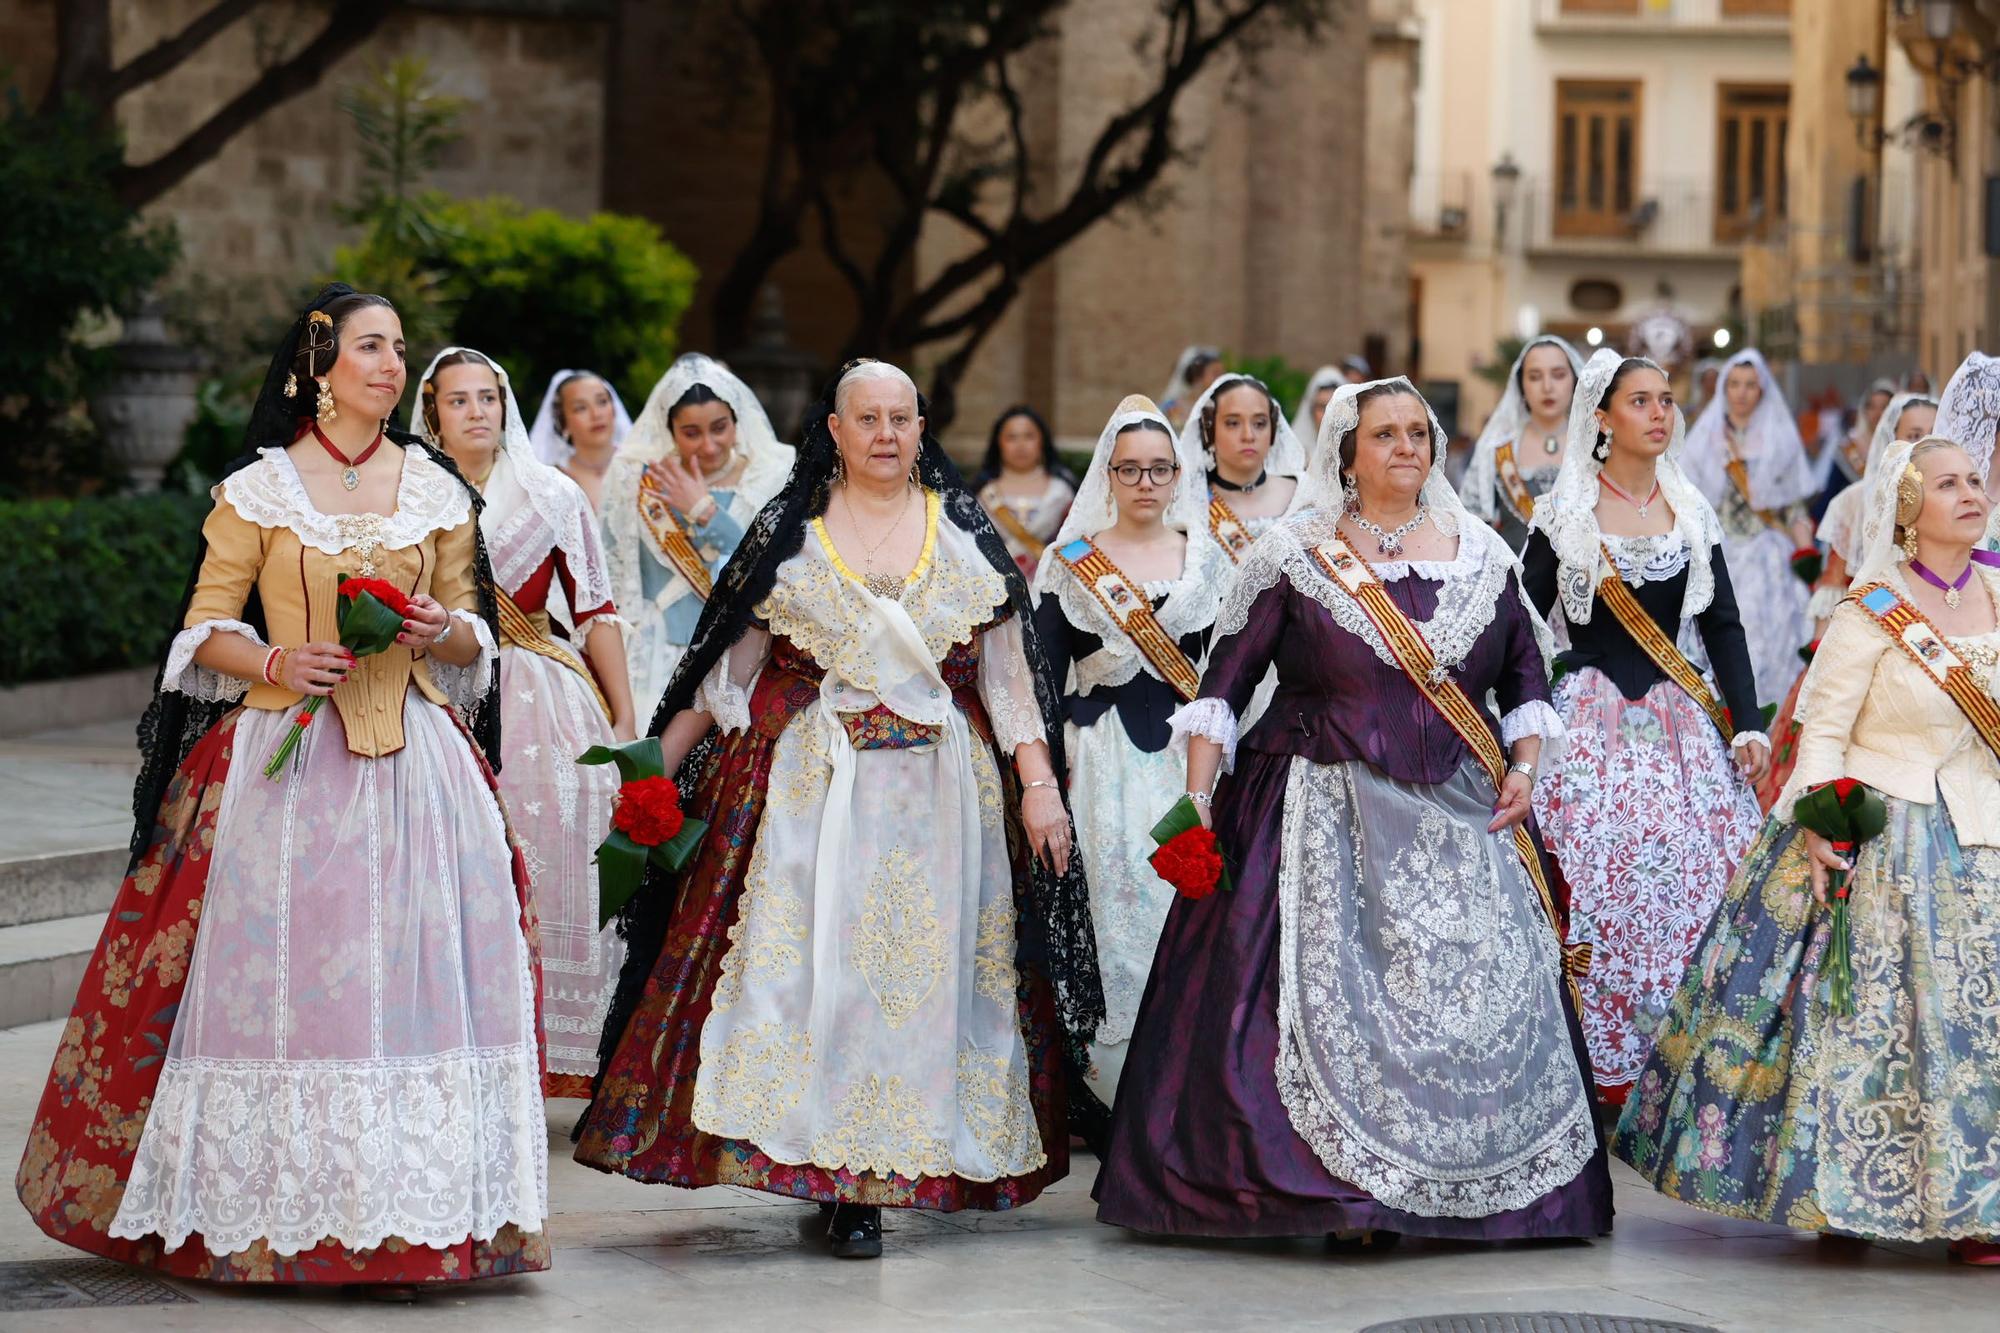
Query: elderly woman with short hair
[
  {"x": 1371, "y": 1034},
  {"x": 836, "y": 1004}
]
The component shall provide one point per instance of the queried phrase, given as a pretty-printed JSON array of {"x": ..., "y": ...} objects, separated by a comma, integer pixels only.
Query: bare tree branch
[
  {"x": 169, "y": 52},
  {"x": 351, "y": 24}
]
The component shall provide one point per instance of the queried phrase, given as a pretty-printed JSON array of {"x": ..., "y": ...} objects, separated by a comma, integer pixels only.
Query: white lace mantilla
[
  {"x": 1468, "y": 595},
  {"x": 299, "y": 1152},
  {"x": 531, "y": 508},
  {"x": 183, "y": 674},
  {"x": 1190, "y": 605},
  {"x": 270, "y": 494}
]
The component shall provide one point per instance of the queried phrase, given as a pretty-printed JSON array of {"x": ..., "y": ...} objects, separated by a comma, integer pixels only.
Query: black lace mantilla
[
  {"x": 1056, "y": 937},
  {"x": 174, "y": 722}
]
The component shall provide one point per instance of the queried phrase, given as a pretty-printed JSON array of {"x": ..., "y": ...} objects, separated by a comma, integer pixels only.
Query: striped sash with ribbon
[
  {"x": 1739, "y": 477},
  {"x": 1010, "y": 523},
  {"x": 1509, "y": 472},
  {"x": 672, "y": 538},
  {"x": 1229, "y": 531},
  {"x": 1653, "y": 641},
  {"x": 1921, "y": 642},
  {"x": 1413, "y": 654},
  {"x": 530, "y": 633},
  {"x": 1132, "y": 612}
]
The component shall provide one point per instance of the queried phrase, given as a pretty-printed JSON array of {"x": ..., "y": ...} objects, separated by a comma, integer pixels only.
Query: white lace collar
[
  {"x": 270, "y": 493},
  {"x": 1653, "y": 558},
  {"x": 1470, "y": 587}
]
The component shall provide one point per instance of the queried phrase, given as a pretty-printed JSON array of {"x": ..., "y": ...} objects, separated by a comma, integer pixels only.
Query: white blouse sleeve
[
  {"x": 1211, "y": 719},
  {"x": 185, "y": 675},
  {"x": 466, "y": 685},
  {"x": 724, "y": 694},
  {"x": 1007, "y": 687}
]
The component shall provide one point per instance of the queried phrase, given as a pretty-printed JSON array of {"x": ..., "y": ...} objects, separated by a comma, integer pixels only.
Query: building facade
[{"x": 1582, "y": 165}]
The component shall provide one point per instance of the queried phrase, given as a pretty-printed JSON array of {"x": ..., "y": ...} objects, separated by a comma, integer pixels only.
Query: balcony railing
[
  {"x": 1663, "y": 15},
  {"x": 1653, "y": 216},
  {"x": 1443, "y": 204}
]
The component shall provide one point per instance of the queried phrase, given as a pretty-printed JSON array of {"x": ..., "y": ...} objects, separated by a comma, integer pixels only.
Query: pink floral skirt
[{"x": 1648, "y": 816}]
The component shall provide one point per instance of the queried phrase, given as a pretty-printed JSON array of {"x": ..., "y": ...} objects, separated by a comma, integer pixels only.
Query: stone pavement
[{"x": 631, "y": 1256}]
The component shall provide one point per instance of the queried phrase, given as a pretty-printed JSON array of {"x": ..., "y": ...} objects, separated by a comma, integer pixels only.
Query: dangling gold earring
[
  {"x": 916, "y": 469},
  {"x": 1910, "y": 543},
  {"x": 839, "y": 468},
  {"x": 292, "y": 384},
  {"x": 326, "y": 411}
]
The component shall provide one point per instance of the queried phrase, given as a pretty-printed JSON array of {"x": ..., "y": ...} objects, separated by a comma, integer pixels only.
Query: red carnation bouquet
[
  {"x": 1846, "y": 813},
  {"x": 372, "y": 612},
  {"x": 1189, "y": 857},
  {"x": 648, "y": 825}
]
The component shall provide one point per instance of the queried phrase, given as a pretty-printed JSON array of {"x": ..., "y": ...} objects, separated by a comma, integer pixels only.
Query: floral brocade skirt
[
  {"x": 1647, "y": 815},
  {"x": 305, "y": 1048},
  {"x": 1759, "y": 1102},
  {"x": 729, "y": 956}
]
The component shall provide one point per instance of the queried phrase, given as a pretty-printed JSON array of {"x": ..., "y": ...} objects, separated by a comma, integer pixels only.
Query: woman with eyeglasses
[{"x": 1124, "y": 601}]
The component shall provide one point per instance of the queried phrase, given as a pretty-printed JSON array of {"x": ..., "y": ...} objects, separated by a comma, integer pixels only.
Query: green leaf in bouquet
[
  {"x": 367, "y": 626},
  {"x": 1867, "y": 816},
  {"x": 1177, "y": 821},
  {"x": 635, "y": 759},
  {"x": 621, "y": 866},
  {"x": 675, "y": 851}
]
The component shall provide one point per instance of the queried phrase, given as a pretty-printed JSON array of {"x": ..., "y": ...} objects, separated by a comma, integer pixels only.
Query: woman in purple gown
[{"x": 1371, "y": 1034}]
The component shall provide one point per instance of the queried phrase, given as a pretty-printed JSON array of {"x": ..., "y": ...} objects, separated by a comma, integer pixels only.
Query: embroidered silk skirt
[{"x": 1759, "y": 1102}]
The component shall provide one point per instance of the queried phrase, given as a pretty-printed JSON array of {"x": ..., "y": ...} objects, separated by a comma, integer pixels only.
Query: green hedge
[{"x": 95, "y": 582}]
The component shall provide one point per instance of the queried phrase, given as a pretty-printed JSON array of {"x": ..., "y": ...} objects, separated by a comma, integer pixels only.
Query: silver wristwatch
[{"x": 1523, "y": 766}]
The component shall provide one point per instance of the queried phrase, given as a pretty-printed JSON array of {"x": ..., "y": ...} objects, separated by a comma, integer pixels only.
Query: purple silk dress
[{"x": 1202, "y": 1143}]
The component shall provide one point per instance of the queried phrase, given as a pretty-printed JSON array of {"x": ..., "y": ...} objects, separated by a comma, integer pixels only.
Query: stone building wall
[
  {"x": 1389, "y": 151},
  {"x": 257, "y": 223}
]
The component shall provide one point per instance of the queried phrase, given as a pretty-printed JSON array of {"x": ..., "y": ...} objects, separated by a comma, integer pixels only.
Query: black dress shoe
[{"x": 855, "y": 1232}]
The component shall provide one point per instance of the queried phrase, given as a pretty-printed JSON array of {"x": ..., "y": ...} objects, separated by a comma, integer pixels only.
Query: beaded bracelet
[{"x": 269, "y": 658}]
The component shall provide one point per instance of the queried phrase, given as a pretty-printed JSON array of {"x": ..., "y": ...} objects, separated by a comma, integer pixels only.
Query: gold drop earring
[{"x": 326, "y": 411}]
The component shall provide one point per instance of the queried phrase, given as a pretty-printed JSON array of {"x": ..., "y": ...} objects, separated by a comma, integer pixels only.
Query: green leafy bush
[
  {"x": 540, "y": 291},
  {"x": 94, "y": 583},
  {"x": 1280, "y": 376},
  {"x": 69, "y": 250}
]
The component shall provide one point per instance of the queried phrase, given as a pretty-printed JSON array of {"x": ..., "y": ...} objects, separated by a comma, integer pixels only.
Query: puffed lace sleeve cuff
[
  {"x": 607, "y": 616},
  {"x": 466, "y": 685},
  {"x": 1743, "y": 738},
  {"x": 1210, "y": 719},
  {"x": 1825, "y": 601},
  {"x": 1533, "y": 718},
  {"x": 186, "y": 676},
  {"x": 722, "y": 698}
]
